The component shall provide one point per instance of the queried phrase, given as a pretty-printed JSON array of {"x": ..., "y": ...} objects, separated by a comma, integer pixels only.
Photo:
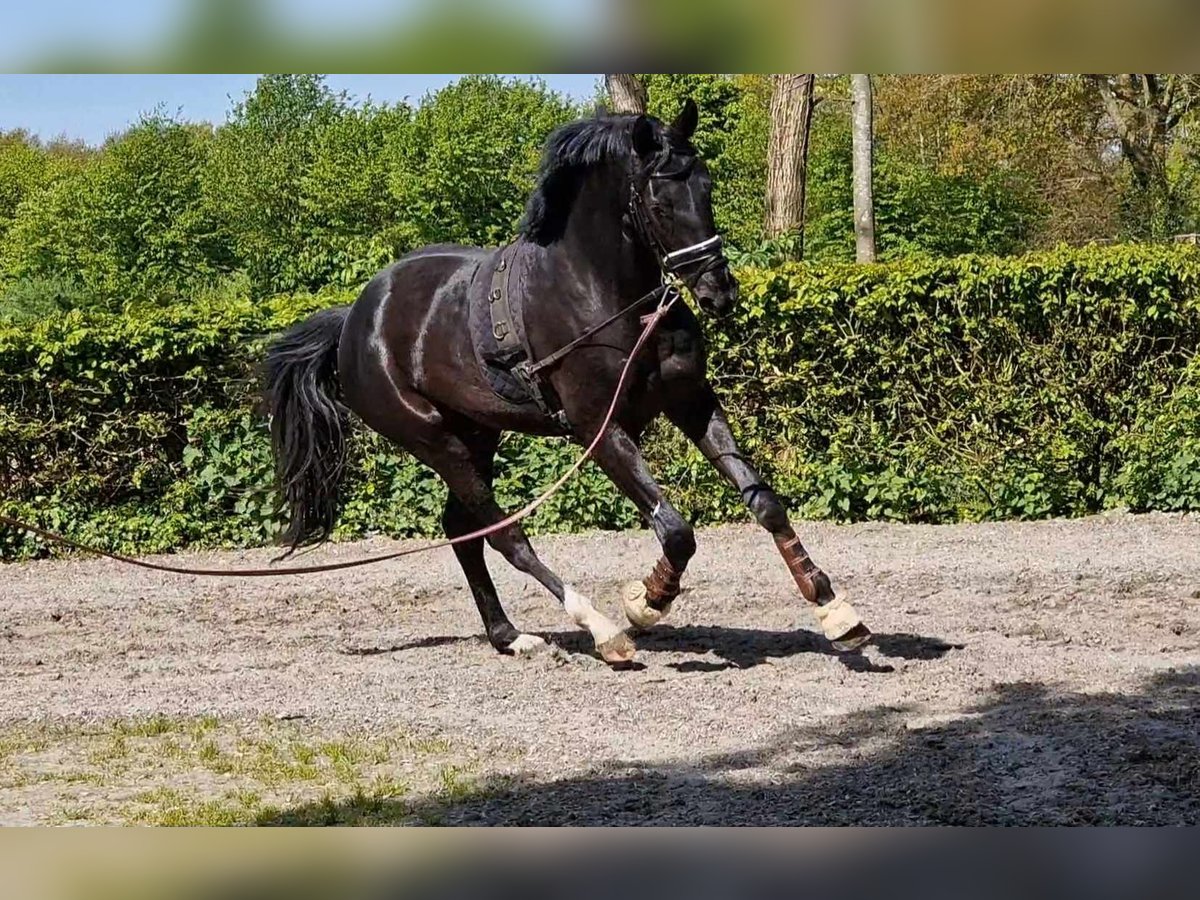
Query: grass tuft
[{"x": 203, "y": 771}]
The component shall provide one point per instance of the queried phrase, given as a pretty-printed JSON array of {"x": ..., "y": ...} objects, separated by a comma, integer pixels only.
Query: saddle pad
[{"x": 496, "y": 363}]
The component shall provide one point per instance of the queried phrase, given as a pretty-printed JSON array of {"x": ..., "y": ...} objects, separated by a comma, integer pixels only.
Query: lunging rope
[{"x": 670, "y": 296}]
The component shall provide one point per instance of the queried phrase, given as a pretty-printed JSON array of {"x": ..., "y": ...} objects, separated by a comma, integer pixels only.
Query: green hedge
[{"x": 930, "y": 390}]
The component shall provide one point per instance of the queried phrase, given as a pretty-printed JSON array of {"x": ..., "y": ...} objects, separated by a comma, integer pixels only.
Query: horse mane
[{"x": 570, "y": 150}]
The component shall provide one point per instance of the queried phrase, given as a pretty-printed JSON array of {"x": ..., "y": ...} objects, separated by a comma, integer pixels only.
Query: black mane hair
[{"x": 570, "y": 150}]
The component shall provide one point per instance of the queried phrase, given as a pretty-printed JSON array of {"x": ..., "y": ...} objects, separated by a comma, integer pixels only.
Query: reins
[
  {"x": 699, "y": 258},
  {"x": 562, "y": 352}
]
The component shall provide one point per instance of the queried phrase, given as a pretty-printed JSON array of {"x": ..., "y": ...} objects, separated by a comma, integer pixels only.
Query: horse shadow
[
  {"x": 744, "y": 648},
  {"x": 735, "y": 648}
]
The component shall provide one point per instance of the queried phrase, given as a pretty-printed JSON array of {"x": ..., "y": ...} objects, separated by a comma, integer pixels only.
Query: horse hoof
[
  {"x": 637, "y": 611},
  {"x": 527, "y": 645},
  {"x": 617, "y": 650},
  {"x": 852, "y": 640},
  {"x": 842, "y": 626}
]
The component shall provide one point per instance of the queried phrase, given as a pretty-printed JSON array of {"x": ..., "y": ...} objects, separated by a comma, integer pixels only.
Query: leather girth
[{"x": 501, "y": 342}]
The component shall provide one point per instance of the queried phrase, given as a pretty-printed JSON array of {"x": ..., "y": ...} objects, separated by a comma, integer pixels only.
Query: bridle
[
  {"x": 687, "y": 264},
  {"x": 680, "y": 269}
]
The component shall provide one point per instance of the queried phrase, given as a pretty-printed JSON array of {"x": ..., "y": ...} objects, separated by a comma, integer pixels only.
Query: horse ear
[
  {"x": 645, "y": 141},
  {"x": 685, "y": 123}
]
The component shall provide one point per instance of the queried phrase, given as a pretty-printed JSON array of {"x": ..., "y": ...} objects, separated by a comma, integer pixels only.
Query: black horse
[{"x": 439, "y": 354}]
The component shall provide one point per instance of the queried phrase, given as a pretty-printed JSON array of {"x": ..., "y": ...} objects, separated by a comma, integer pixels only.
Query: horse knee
[{"x": 769, "y": 511}]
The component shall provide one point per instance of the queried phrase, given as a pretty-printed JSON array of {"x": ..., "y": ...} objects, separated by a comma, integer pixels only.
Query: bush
[
  {"x": 31, "y": 298},
  {"x": 463, "y": 170},
  {"x": 1162, "y": 447},
  {"x": 1059, "y": 383},
  {"x": 967, "y": 388},
  {"x": 127, "y": 226}
]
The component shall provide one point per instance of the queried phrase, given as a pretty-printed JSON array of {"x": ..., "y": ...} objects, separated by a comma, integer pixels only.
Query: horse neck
[{"x": 599, "y": 243}]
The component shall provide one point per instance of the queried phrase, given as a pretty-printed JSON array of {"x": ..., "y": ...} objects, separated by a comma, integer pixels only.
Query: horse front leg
[
  {"x": 698, "y": 414},
  {"x": 647, "y": 602}
]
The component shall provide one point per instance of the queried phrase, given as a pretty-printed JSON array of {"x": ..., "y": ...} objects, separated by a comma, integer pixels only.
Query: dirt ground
[{"x": 1022, "y": 673}]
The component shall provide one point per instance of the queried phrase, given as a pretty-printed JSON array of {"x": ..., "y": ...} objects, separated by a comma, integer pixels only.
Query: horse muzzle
[{"x": 717, "y": 292}]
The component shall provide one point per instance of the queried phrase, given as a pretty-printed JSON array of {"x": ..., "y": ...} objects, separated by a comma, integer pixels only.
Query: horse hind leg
[
  {"x": 613, "y": 645},
  {"x": 464, "y": 462},
  {"x": 501, "y": 633},
  {"x": 462, "y": 455},
  {"x": 472, "y": 487}
]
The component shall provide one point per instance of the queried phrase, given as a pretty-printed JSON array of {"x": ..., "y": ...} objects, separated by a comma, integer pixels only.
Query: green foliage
[
  {"x": 139, "y": 282},
  {"x": 254, "y": 180},
  {"x": 732, "y": 138},
  {"x": 127, "y": 225},
  {"x": 464, "y": 168},
  {"x": 969, "y": 388},
  {"x": 30, "y": 298},
  {"x": 352, "y": 225},
  {"x": 918, "y": 208},
  {"x": 25, "y": 169},
  {"x": 1058, "y": 383},
  {"x": 1162, "y": 448},
  {"x": 303, "y": 189}
]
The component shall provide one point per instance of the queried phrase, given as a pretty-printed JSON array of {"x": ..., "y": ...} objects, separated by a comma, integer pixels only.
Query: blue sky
[{"x": 90, "y": 107}]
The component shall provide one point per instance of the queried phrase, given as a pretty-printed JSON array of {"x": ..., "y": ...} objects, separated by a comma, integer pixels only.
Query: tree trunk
[
  {"x": 1145, "y": 110},
  {"x": 1134, "y": 104},
  {"x": 864, "y": 199},
  {"x": 787, "y": 155},
  {"x": 626, "y": 93}
]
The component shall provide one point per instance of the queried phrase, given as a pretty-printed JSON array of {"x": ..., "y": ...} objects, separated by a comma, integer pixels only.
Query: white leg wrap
[
  {"x": 583, "y": 614},
  {"x": 637, "y": 611}
]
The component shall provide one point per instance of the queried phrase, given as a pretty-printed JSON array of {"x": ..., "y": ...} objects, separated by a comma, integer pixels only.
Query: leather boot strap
[{"x": 662, "y": 584}]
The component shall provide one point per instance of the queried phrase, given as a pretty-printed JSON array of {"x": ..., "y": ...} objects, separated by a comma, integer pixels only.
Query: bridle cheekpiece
[{"x": 683, "y": 267}]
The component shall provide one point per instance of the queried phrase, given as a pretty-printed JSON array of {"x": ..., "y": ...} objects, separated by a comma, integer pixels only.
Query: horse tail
[{"x": 309, "y": 425}]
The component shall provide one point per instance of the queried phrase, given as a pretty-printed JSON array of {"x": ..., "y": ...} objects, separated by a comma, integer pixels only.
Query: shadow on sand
[{"x": 1026, "y": 754}]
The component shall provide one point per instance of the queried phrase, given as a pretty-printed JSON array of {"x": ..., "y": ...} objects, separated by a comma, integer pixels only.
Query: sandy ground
[{"x": 1022, "y": 673}]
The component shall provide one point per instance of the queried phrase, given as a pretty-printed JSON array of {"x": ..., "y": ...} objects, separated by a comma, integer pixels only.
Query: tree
[
  {"x": 130, "y": 225},
  {"x": 351, "y": 224},
  {"x": 864, "y": 201},
  {"x": 1144, "y": 111},
  {"x": 253, "y": 182},
  {"x": 787, "y": 156},
  {"x": 27, "y": 167},
  {"x": 463, "y": 169},
  {"x": 935, "y": 190},
  {"x": 732, "y": 138},
  {"x": 1038, "y": 140},
  {"x": 626, "y": 93}
]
